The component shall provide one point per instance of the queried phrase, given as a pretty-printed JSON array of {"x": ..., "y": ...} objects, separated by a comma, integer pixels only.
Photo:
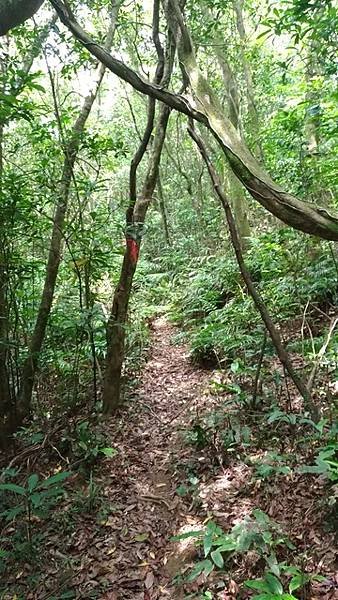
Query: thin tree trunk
[
  {"x": 118, "y": 316},
  {"x": 7, "y": 378},
  {"x": 258, "y": 300},
  {"x": 163, "y": 211},
  {"x": 135, "y": 218},
  {"x": 4, "y": 379},
  {"x": 250, "y": 90},
  {"x": 56, "y": 244}
]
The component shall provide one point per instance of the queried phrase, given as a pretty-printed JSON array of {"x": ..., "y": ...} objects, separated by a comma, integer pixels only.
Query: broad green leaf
[
  {"x": 257, "y": 584},
  {"x": 12, "y": 487},
  {"x": 108, "y": 452},
  {"x": 32, "y": 482},
  {"x": 37, "y": 499},
  {"x": 204, "y": 566},
  {"x": 228, "y": 546},
  {"x": 55, "y": 479},
  {"x": 186, "y": 535},
  {"x": 207, "y": 544},
  {"x": 217, "y": 558},
  {"x": 274, "y": 584},
  {"x": 296, "y": 582}
]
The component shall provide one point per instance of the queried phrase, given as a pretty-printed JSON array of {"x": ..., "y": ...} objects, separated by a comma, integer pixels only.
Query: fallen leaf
[
  {"x": 141, "y": 537},
  {"x": 149, "y": 580}
]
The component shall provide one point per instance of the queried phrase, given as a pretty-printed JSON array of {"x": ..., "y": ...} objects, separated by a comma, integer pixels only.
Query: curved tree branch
[{"x": 206, "y": 109}]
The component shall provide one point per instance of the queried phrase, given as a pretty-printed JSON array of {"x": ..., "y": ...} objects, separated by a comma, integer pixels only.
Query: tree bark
[
  {"x": 294, "y": 212},
  {"x": 250, "y": 90},
  {"x": 56, "y": 244},
  {"x": 16, "y": 12},
  {"x": 237, "y": 194},
  {"x": 5, "y": 398},
  {"x": 163, "y": 211}
]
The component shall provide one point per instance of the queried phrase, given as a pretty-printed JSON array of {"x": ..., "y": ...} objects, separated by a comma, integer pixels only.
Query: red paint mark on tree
[{"x": 133, "y": 249}]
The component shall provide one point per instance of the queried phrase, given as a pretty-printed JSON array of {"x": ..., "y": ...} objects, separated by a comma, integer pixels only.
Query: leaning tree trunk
[
  {"x": 297, "y": 213},
  {"x": 56, "y": 244},
  {"x": 258, "y": 300}
]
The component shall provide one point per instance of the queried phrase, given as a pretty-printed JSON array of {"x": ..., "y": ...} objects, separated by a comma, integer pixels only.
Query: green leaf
[
  {"x": 11, "y": 513},
  {"x": 186, "y": 535},
  {"x": 182, "y": 490},
  {"x": 207, "y": 544},
  {"x": 108, "y": 452},
  {"x": 257, "y": 584},
  {"x": 12, "y": 487},
  {"x": 205, "y": 566},
  {"x": 58, "y": 478},
  {"x": 296, "y": 582},
  {"x": 263, "y": 34},
  {"x": 227, "y": 546},
  {"x": 270, "y": 596},
  {"x": 37, "y": 499},
  {"x": 32, "y": 482},
  {"x": 274, "y": 584},
  {"x": 217, "y": 558}
]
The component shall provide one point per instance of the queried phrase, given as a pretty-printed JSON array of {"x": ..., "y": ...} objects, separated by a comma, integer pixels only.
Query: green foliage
[
  {"x": 35, "y": 497},
  {"x": 88, "y": 444},
  {"x": 273, "y": 588},
  {"x": 23, "y": 503},
  {"x": 218, "y": 431},
  {"x": 257, "y": 532},
  {"x": 326, "y": 463},
  {"x": 272, "y": 465},
  {"x": 221, "y": 321}
]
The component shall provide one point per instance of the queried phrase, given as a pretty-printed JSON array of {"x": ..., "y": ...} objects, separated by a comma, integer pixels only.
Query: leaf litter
[{"x": 125, "y": 553}]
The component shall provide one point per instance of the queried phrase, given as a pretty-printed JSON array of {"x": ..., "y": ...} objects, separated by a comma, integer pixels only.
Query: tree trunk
[
  {"x": 135, "y": 218},
  {"x": 16, "y": 12},
  {"x": 250, "y": 90},
  {"x": 237, "y": 194},
  {"x": 258, "y": 300},
  {"x": 117, "y": 320},
  {"x": 5, "y": 398},
  {"x": 163, "y": 211},
  {"x": 56, "y": 244}
]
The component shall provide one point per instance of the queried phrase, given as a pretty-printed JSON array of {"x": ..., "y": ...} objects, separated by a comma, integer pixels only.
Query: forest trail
[
  {"x": 129, "y": 555},
  {"x": 140, "y": 484}
]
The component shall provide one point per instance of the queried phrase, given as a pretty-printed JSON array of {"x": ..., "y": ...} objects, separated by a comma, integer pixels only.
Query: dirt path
[
  {"x": 139, "y": 485},
  {"x": 126, "y": 553}
]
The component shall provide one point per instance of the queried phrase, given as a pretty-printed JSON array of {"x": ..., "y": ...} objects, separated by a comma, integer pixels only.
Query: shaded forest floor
[{"x": 158, "y": 485}]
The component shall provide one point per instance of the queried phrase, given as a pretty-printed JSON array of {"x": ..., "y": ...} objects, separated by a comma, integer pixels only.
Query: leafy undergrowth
[
  {"x": 298, "y": 282},
  {"x": 193, "y": 491}
]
